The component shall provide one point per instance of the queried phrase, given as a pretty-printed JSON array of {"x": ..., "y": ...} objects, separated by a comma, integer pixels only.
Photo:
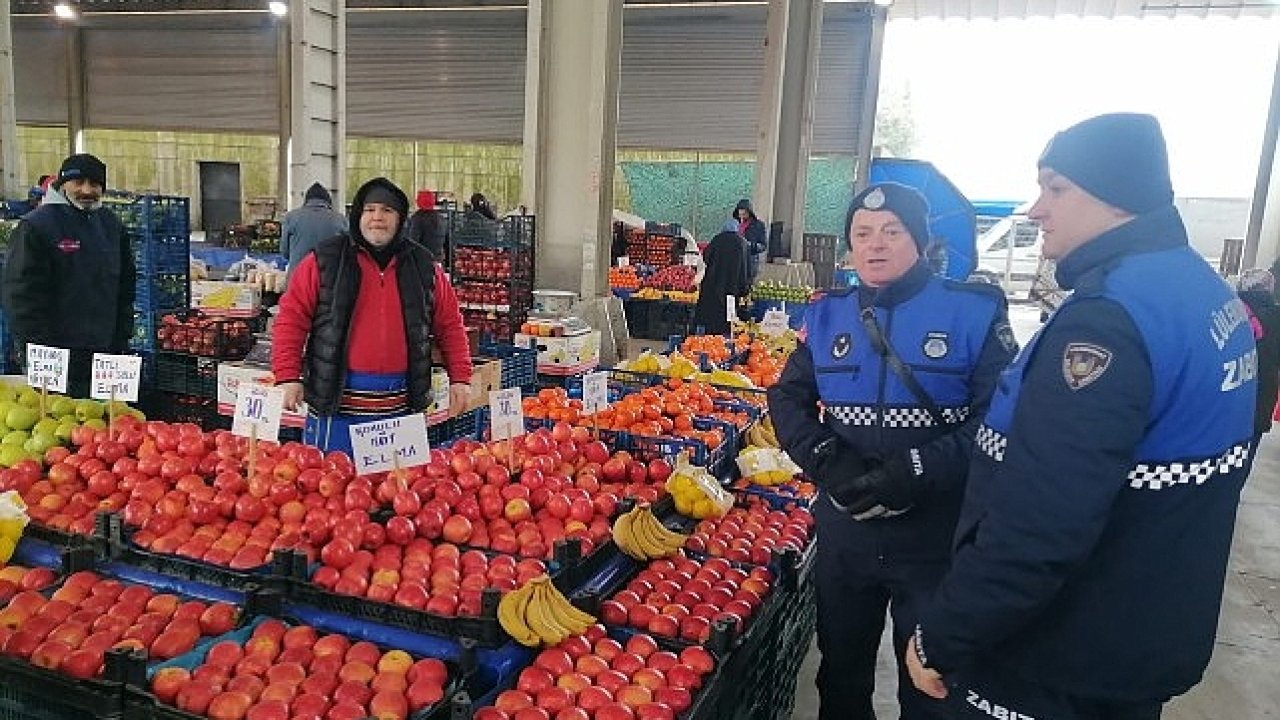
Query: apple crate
[
  {"x": 762, "y": 683},
  {"x": 143, "y": 704},
  {"x": 198, "y": 334},
  {"x": 28, "y": 692},
  {"x": 790, "y": 567},
  {"x": 519, "y": 365},
  {"x": 186, "y": 374},
  {"x": 704, "y": 701}
]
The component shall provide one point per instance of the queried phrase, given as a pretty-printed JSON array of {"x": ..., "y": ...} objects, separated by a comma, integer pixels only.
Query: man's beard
[{"x": 85, "y": 202}]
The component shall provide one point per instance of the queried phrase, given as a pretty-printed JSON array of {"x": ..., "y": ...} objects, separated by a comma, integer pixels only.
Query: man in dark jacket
[
  {"x": 305, "y": 227},
  {"x": 1257, "y": 290},
  {"x": 70, "y": 276},
  {"x": 1092, "y": 546},
  {"x": 724, "y": 275},
  {"x": 879, "y": 404},
  {"x": 752, "y": 229},
  {"x": 427, "y": 226},
  {"x": 355, "y": 328}
]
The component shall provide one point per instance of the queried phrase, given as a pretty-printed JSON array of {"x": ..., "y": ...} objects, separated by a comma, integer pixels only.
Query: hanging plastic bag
[
  {"x": 13, "y": 520},
  {"x": 696, "y": 492}
]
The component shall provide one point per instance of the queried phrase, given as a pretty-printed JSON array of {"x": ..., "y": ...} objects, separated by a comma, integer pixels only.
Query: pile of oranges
[
  {"x": 624, "y": 277},
  {"x": 762, "y": 367},
  {"x": 662, "y": 410},
  {"x": 715, "y": 347}
]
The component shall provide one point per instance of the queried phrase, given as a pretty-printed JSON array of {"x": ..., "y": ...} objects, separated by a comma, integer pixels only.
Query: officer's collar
[
  {"x": 898, "y": 291},
  {"x": 1158, "y": 230}
]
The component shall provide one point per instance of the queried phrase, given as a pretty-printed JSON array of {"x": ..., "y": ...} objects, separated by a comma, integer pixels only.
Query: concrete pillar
[
  {"x": 571, "y": 117},
  {"x": 769, "y": 108},
  {"x": 871, "y": 95},
  {"x": 315, "y": 145},
  {"x": 1262, "y": 238},
  {"x": 10, "y": 186},
  {"x": 284, "y": 119},
  {"x": 75, "y": 90}
]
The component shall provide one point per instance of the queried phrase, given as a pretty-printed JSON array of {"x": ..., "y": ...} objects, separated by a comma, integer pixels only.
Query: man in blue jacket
[
  {"x": 1092, "y": 546},
  {"x": 879, "y": 404}
]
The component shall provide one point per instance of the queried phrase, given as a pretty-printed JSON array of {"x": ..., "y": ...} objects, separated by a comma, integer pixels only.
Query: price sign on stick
[
  {"x": 507, "y": 413},
  {"x": 731, "y": 309},
  {"x": 384, "y": 445},
  {"x": 116, "y": 377},
  {"x": 257, "y": 414},
  {"x": 595, "y": 391},
  {"x": 47, "y": 367},
  {"x": 774, "y": 323}
]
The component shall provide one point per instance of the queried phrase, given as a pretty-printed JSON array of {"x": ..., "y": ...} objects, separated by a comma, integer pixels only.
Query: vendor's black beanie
[
  {"x": 82, "y": 166},
  {"x": 905, "y": 202},
  {"x": 1118, "y": 158}
]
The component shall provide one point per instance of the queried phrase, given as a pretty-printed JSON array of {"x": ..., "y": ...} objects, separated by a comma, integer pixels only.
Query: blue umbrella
[{"x": 951, "y": 218}]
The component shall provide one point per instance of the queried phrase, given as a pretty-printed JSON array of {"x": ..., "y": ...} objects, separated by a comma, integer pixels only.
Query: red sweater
[{"x": 377, "y": 324}]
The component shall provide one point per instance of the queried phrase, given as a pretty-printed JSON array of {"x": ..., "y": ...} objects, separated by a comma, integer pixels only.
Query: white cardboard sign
[
  {"x": 595, "y": 391},
  {"x": 47, "y": 367},
  {"x": 116, "y": 377},
  {"x": 257, "y": 412},
  {"x": 506, "y": 413},
  {"x": 384, "y": 445}
]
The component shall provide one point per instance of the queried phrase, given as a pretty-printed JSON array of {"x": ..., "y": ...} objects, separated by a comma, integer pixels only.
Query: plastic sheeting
[{"x": 951, "y": 217}]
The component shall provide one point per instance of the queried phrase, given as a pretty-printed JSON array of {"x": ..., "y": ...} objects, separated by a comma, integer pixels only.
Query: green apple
[
  {"x": 11, "y": 455},
  {"x": 89, "y": 410},
  {"x": 62, "y": 407},
  {"x": 95, "y": 423},
  {"x": 39, "y": 442},
  {"x": 8, "y": 392},
  {"x": 29, "y": 397},
  {"x": 63, "y": 432},
  {"x": 22, "y": 418},
  {"x": 15, "y": 437},
  {"x": 46, "y": 425}
]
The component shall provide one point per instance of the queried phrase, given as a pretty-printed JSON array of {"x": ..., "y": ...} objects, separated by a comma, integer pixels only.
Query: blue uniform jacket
[
  {"x": 1093, "y": 541},
  {"x": 956, "y": 339}
]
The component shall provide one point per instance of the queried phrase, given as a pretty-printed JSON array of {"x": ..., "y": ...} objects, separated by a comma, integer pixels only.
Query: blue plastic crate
[
  {"x": 157, "y": 214},
  {"x": 519, "y": 365},
  {"x": 163, "y": 290},
  {"x": 161, "y": 253}
]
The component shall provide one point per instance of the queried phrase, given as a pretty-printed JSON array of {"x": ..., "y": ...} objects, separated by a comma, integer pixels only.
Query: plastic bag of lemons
[
  {"x": 13, "y": 520},
  {"x": 696, "y": 492},
  {"x": 766, "y": 466}
]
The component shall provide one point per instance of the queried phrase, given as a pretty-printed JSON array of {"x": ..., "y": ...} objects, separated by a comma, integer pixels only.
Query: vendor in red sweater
[{"x": 354, "y": 331}]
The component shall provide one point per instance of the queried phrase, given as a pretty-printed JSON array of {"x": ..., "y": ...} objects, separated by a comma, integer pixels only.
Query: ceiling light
[
  {"x": 64, "y": 11},
  {"x": 277, "y": 8},
  {"x": 884, "y": 3}
]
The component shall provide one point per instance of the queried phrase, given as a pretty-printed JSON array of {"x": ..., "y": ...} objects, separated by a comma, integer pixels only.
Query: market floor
[{"x": 1240, "y": 680}]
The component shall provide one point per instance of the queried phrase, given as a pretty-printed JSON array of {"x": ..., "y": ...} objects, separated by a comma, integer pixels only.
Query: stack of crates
[{"x": 159, "y": 228}]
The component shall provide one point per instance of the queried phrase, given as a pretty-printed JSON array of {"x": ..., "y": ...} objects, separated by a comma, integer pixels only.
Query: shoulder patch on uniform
[
  {"x": 1083, "y": 364},
  {"x": 936, "y": 345},
  {"x": 1004, "y": 333},
  {"x": 978, "y": 287}
]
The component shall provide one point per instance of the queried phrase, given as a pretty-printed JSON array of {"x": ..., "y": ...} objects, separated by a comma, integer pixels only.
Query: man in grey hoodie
[{"x": 309, "y": 225}]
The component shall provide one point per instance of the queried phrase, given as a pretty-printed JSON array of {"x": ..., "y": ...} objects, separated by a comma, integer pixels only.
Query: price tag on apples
[
  {"x": 257, "y": 411},
  {"x": 385, "y": 445},
  {"x": 116, "y": 377},
  {"x": 595, "y": 391},
  {"x": 47, "y": 367},
  {"x": 774, "y": 323},
  {"x": 507, "y": 413}
]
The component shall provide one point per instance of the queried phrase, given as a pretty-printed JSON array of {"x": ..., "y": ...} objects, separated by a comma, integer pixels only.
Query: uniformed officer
[
  {"x": 1093, "y": 542},
  {"x": 879, "y": 404}
]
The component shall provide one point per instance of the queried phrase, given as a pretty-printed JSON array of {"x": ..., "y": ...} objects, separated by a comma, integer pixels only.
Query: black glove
[
  {"x": 883, "y": 492},
  {"x": 831, "y": 463}
]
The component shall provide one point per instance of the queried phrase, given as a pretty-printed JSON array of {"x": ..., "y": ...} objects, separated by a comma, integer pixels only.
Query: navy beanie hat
[
  {"x": 82, "y": 166},
  {"x": 905, "y": 202},
  {"x": 1118, "y": 158}
]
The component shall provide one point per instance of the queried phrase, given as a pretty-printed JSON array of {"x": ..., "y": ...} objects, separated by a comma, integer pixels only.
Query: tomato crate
[{"x": 198, "y": 334}]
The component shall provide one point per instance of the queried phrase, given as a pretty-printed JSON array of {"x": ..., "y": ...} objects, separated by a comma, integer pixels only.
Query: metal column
[
  {"x": 9, "y": 184},
  {"x": 1262, "y": 238},
  {"x": 870, "y": 97},
  {"x": 316, "y": 144}
]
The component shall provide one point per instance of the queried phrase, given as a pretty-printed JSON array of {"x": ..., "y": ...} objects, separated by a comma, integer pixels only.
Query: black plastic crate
[
  {"x": 196, "y": 333},
  {"x": 28, "y": 692},
  {"x": 180, "y": 408},
  {"x": 186, "y": 374},
  {"x": 764, "y": 687},
  {"x": 461, "y": 426},
  {"x": 820, "y": 250},
  {"x": 484, "y": 630}
]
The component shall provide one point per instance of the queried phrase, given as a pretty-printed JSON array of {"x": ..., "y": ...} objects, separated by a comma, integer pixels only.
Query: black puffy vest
[{"x": 327, "y": 345}]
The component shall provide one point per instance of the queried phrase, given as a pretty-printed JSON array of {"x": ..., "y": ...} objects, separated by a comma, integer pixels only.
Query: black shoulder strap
[{"x": 899, "y": 368}]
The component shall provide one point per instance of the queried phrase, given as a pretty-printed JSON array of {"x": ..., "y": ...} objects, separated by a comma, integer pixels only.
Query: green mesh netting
[{"x": 700, "y": 195}]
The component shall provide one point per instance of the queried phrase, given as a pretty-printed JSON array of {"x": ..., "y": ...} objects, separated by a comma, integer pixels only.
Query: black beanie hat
[
  {"x": 82, "y": 166},
  {"x": 386, "y": 196},
  {"x": 318, "y": 192},
  {"x": 905, "y": 202},
  {"x": 1118, "y": 158}
]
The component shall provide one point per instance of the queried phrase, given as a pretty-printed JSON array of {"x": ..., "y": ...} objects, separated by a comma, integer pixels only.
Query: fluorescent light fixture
[
  {"x": 884, "y": 3},
  {"x": 64, "y": 11},
  {"x": 278, "y": 8}
]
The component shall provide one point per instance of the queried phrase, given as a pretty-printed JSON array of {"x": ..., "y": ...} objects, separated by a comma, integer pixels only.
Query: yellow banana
[
  {"x": 668, "y": 540},
  {"x": 564, "y": 612},
  {"x": 541, "y": 621},
  {"x": 624, "y": 535},
  {"x": 511, "y": 614}
]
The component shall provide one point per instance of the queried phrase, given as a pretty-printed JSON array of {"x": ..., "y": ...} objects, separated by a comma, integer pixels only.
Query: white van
[{"x": 1009, "y": 252}]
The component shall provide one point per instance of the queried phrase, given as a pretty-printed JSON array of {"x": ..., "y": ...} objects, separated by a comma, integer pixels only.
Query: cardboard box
[
  {"x": 230, "y": 375},
  {"x": 226, "y": 298},
  {"x": 564, "y": 355},
  {"x": 486, "y": 375}
]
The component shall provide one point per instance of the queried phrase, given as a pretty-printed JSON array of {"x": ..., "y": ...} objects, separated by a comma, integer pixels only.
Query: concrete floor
[{"x": 1241, "y": 681}]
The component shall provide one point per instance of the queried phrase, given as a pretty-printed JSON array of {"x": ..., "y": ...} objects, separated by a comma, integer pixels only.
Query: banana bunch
[
  {"x": 642, "y": 536},
  {"x": 762, "y": 435},
  {"x": 783, "y": 344},
  {"x": 537, "y": 614}
]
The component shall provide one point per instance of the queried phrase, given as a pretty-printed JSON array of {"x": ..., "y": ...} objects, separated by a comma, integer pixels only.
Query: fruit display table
[{"x": 500, "y": 580}]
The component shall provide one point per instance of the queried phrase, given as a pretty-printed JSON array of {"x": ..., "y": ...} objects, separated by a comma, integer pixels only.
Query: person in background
[
  {"x": 355, "y": 328},
  {"x": 879, "y": 404},
  {"x": 479, "y": 204},
  {"x": 1092, "y": 546},
  {"x": 753, "y": 231},
  {"x": 724, "y": 274},
  {"x": 307, "y": 226},
  {"x": 1257, "y": 289},
  {"x": 427, "y": 226},
  {"x": 69, "y": 279}
]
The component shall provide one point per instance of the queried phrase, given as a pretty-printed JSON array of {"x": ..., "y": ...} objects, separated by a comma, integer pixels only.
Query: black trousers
[
  {"x": 855, "y": 586},
  {"x": 990, "y": 693}
]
